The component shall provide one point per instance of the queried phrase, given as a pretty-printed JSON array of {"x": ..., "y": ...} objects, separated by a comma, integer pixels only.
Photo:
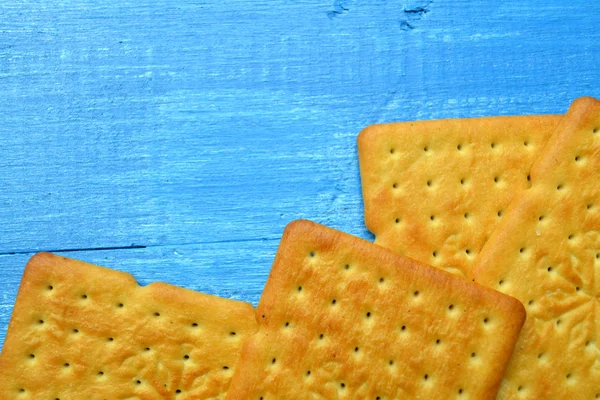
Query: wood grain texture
[{"x": 209, "y": 125}]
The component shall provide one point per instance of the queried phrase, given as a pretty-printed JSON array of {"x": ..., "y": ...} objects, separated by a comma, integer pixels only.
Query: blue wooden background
[{"x": 176, "y": 139}]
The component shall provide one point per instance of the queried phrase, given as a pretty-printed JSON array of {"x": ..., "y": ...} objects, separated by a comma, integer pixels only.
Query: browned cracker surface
[
  {"x": 79, "y": 331},
  {"x": 435, "y": 190},
  {"x": 546, "y": 253},
  {"x": 342, "y": 318}
]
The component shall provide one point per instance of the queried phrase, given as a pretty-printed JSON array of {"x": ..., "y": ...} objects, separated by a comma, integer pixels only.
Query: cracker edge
[
  {"x": 364, "y": 144},
  {"x": 579, "y": 111},
  {"x": 578, "y": 114},
  {"x": 511, "y": 308},
  {"x": 40, "y": 262},
  {"x": 368, "y": 134}
]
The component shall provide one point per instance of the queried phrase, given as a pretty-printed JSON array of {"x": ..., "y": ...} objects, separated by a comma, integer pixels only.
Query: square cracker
[
  {"x": 79, "y": 331},
  {"x": 546, "y": 253},
  {"x": 435, "y": 190},
  {"x": 342, "y": 318}
]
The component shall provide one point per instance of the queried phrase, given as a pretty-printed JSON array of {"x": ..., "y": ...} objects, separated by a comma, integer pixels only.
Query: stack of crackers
[{"x": 483, "y": 283}]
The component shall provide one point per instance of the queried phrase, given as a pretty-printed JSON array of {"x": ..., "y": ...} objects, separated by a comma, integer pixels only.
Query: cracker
[
  {"x": 80, "y": 331},
  {"x": 342, "y": 318},
  {"x": 546, "y": 253},
  {"x": 435, "y": 190}
]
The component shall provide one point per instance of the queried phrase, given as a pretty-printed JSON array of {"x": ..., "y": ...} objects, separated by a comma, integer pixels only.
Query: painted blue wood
[{"x": 208, "y": 125}]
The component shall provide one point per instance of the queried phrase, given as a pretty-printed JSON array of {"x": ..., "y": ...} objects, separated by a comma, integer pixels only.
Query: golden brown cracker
[
  {"x": 342, "y": 318},
  {"x": 435, "y": 190},
  {"x": 79, "y": 331},
  {"x": 546, "y": 253}
]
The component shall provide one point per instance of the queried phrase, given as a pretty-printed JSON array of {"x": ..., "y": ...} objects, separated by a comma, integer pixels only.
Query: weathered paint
[{"x": 198, "y": 129}]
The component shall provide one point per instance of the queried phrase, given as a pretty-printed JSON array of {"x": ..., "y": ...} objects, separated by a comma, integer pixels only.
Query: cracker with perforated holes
[
  {"x": 435, "y": 190},
  {"x": 342, "y": 318},
  {"x": 79, "y": 331},
  {"x": 546, "y": 253}
]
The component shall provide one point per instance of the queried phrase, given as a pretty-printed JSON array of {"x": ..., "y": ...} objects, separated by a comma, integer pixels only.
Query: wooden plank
[
  {"x": 152, "y": 123},
  {"x": 201, "y": 129}
]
